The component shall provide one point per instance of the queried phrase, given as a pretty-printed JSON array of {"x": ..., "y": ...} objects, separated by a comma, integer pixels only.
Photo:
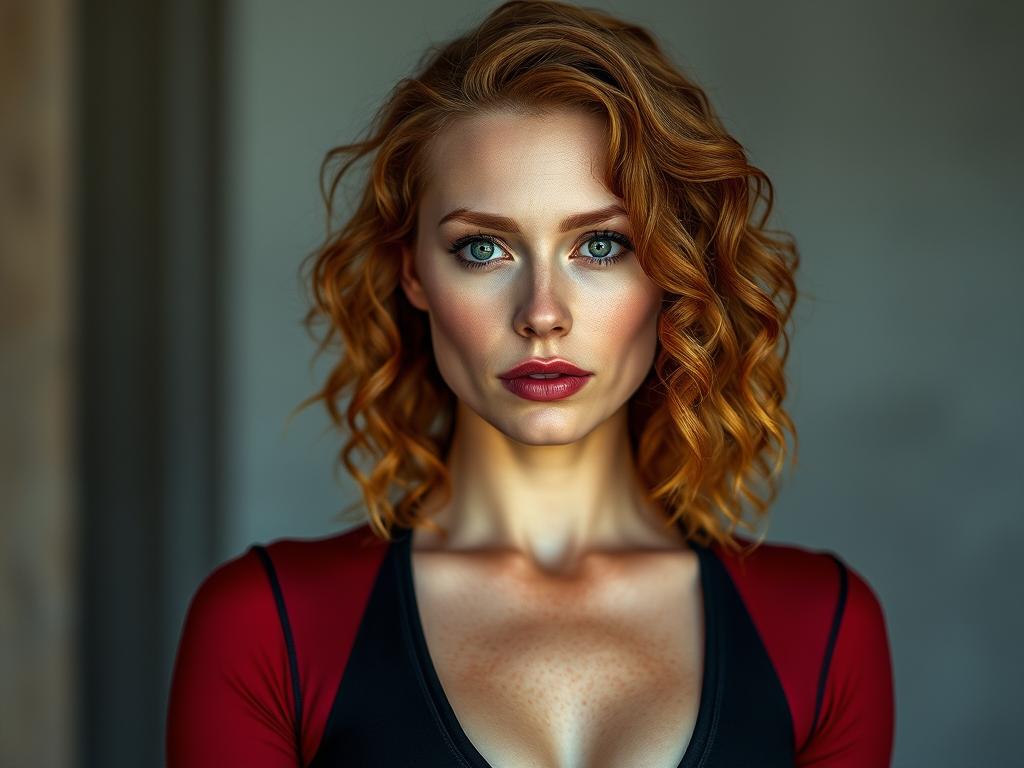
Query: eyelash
[{"x": 605, "y": 234}]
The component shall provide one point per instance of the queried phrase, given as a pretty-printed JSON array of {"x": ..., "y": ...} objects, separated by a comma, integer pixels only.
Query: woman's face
[{"x": 506, "y": 275}]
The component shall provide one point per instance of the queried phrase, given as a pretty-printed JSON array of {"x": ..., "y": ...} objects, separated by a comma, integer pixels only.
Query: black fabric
[
  {"x": 381, "y": 714},
  {"x": 752, "y": 725},
  {"x": 390, "y": 708}
]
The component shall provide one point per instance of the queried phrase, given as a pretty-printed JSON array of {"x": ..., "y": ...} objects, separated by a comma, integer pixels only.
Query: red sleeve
[
  {"x": 856, "y": 719},
  {"x": 233, "y": 700},
  {"x": 824, "y": 631},
  {"x": 229, "y": 701}
]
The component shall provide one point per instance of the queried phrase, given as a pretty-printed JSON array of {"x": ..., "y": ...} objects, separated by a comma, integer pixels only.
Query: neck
[{"x": 552, "y": 504}]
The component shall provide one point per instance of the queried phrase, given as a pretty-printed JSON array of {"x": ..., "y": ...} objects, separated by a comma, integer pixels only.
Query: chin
[{"x": 550, "y": 428}]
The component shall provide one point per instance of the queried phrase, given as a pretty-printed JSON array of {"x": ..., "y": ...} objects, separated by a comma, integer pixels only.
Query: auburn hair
[{"x": 707, "y": 427}]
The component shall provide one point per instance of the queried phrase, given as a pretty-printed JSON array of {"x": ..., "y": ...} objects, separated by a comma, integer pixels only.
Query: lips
[{"x": 537, "y": 365}]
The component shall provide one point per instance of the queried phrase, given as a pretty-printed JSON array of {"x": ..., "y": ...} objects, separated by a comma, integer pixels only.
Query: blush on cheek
[
  {"x": 640, "y": 309},
  {"x": 627, "y": 335},
  {"x": 625, "y": 317},
  {"x": 465, "y": 327},
  {"x": 464, "y": 314}
]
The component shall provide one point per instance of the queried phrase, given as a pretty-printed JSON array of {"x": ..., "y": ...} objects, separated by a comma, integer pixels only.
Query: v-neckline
[{"x": 448, "y": 722}]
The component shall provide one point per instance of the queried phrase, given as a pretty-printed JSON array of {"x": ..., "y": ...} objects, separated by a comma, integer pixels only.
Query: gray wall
[
  {"x": 300, "y": 79},
  {"x": 892, "y": 133}
]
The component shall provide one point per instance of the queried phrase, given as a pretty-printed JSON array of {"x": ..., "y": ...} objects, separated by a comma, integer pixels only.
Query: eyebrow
[{"x": 505, "y": 224}]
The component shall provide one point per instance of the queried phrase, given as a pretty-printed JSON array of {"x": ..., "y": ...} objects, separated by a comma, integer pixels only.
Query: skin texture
[
  {"x": 563, "y": 617},
  {"x": 555, "y": 478}
]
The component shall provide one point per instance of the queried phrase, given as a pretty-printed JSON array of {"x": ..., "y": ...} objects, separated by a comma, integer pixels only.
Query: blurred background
[{"x": 158, "y": 189}]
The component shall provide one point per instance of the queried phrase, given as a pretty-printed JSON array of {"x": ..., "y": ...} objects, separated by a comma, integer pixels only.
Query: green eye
[
  {"x": 600, "y": 249},
  {"x": 480, "y": 247},
  {"x": 481, "y": 250},
  {"x": 603, "y": 247}
]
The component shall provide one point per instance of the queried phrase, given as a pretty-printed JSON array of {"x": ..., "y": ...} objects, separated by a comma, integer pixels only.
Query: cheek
[
  {"x": 465, "y": 321},
  {"x": 628, "y": 321}
]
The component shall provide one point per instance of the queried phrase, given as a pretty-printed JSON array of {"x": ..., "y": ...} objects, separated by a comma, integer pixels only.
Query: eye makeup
[{"x": 625, "y": 248}]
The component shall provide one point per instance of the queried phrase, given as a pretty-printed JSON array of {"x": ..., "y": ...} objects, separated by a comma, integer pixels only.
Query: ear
[{"x": 410, "y": 280}]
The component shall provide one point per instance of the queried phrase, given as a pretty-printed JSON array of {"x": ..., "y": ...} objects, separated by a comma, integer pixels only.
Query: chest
[{"x": 602, "y": 669}]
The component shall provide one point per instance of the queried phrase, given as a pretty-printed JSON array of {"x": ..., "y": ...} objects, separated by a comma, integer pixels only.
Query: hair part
[{"x": 707, "y": 426}]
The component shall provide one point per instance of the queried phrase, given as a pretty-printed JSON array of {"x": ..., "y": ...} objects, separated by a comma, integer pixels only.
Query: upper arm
[
  {"x": 856, "y": 717},
  {"x": 230, "y": 692}
]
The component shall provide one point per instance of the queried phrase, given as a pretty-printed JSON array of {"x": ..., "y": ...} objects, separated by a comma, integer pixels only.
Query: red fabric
[
  {"x": 791, "y": 594},
  {"x": 231, "y": 698}
]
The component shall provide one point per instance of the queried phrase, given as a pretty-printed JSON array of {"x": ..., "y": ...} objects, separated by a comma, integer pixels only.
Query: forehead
[{"x": 499, "y": 160}]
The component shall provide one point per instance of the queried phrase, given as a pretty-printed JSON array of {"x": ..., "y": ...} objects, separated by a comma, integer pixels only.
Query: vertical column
[
  {"x": 148, "y": 349},
  {"x": 37, "y": 371}
]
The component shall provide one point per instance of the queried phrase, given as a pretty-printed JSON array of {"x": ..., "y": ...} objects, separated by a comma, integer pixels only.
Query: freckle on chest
[{"x": 540, "y": 665}]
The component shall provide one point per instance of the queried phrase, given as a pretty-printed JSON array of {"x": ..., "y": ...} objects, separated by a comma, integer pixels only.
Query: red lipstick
[{"x": 538, "y": 379}]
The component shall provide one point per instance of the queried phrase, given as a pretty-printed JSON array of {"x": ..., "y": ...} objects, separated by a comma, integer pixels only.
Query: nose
[{"x": 544, "y": 311}]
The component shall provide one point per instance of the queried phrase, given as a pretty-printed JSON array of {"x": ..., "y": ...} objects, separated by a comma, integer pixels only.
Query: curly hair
[{"x": 707, "y": 421}]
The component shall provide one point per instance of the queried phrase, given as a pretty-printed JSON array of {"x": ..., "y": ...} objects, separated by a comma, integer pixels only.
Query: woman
[{"x": 563, "y": 329}]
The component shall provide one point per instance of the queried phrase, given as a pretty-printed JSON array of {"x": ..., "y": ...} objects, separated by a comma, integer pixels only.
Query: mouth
[
  {"x": 546, "y": 386},
  {"x": 540, "y": 369}
]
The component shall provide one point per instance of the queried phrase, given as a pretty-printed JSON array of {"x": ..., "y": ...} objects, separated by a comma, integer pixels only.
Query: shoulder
[
  {"x": 783, "y": 564},
  {"x": 265, "y": 642},
  {"x": 235, "y": 594},
  {"x": 808, "y": 581},
  {"x": 287, "y": 582},
  {"x": 824, "y": 628},
  {"x": 242, "y": 588},
  {"x": 337, "y": 570}
]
